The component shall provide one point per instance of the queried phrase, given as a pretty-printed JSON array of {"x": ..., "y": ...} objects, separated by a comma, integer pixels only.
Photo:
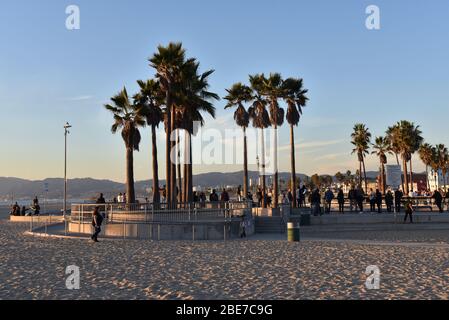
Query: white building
[{"x": 437, "y": 183}]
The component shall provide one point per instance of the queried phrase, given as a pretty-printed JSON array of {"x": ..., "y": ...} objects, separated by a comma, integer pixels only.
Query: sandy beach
[{"x": 34, "y": 268}]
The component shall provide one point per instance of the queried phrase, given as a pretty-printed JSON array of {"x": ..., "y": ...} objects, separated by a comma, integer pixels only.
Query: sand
[{"x": 34, "y": 268}]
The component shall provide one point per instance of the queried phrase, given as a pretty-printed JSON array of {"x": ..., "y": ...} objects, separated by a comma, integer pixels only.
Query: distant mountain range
[{"x": 87, "y": 188}]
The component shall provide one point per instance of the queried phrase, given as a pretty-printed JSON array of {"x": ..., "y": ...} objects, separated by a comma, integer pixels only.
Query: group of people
[{"x": 34, "y": 209}]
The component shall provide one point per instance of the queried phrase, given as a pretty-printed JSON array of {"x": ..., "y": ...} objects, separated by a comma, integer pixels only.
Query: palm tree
[
  {"x": 237, "y": 95},
  {"x": 408, "y": 138},
  {"x": 442, "y": 161},
  {"x": 435, "y": 163},
  {"x": 260, "y": 119},
  {"x": 150, "y": 100},
  {"x": 272, "y": 89},
  {"x": 193, "y": 100},
  {"x": 127, "y": 117},
  {"x": 415, "y": 144},
  {"x": 425, "y": 153},
  {"x": 295, "y": 97},
  {"x": 381, "y": 149},
  {"x": 361, "y": 138},
  {"x": 168, "y": 61},
  {"x": 393, "y": 136}
]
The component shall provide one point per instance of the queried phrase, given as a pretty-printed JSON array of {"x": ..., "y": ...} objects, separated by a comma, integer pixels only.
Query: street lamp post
[{"x": 66, "y": 132}]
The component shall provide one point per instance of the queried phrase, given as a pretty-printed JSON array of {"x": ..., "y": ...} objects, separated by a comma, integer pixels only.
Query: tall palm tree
[
  {"x": 415, "y": 144},
  {"x": 435, "y": 163},
  {"x": 442, "y": 161},
  {"x": 425, "y": 153},
  {"x": 237, "y": 95},
  {"x": 150, "y": 100},
  {"x": 295, "y": 97},
  {"x": 393, "y": 136},
  {"x": 193, "y": 100},
  {"x": 127, "y": 117},
  {"x": 361, "y": 138},
  {"x": 261, "y": 120},
  {"x": 272, "y": 89},
  {"x": 381, "y": 149},
  {"x": 168, "y": 61}
]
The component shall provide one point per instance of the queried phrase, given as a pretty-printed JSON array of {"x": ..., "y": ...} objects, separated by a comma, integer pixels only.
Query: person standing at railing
[
  {"x": 224, "y": 196},
  {"x": 328, "y": 197},
  {"x": 341, "y": 201},
  {"x": 97, "y": 220},
  {"x": 397, "y": 200},
  {"x": 389, "y": 201},
  {"x": 372, "y": 200},
  {"x": 360, "y": 197},
  {"x": 408, "y": 211},
  {"x": 352, "y": 199},
  {"x": 315, "y": 200},
  {"x": 438, "y": 200},
  {"x": 379, "y": 201},
  {"x": 101, "y": 199}
]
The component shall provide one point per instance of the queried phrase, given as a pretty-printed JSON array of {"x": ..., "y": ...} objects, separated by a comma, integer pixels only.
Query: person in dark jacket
[
  {"x": 315, "y": 200},
  {"x": 379, "y": 201},
  {"x": 101, "y": 199},
  {"x": 224, "y": 197},
  {"x": 352, "y": 199},
  {"x": 341, "y": 201},
  {"x": 213, "y": 196},
  {"x": 438, "y": 200},
  {"x": 360, "y": 197},
  {"x": 389, "y": 201},
  {"x": 397, "y": 200},
  {"x": 97, "y": 220},
  {"x": 328, "y": 197}
]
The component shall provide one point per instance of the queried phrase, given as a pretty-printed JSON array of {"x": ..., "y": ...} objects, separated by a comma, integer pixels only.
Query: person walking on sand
[
  {"x": 97, "y": 220},
  {"x": 408, "y": 212}
]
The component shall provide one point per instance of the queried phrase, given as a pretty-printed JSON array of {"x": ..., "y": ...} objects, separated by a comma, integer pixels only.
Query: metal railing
[{"x": 160, "y": 213}]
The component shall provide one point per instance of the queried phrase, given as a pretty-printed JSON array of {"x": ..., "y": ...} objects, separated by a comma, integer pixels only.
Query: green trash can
[{"x": 293, "y": 233}]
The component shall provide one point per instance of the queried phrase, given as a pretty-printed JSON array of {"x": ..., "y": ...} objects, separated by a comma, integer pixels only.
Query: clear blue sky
[{"x": 49, "y": 75}]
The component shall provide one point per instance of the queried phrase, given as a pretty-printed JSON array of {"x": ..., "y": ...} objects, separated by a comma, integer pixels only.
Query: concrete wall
[
  {"x": 377, "y": 218},
  {"x": 36, "y": 219},
  {"x": 184, "y": 231}
]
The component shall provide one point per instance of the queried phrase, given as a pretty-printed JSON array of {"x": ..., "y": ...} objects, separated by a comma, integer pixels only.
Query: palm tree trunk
[
  {"x": 427, "y": 177},
  {"x": 406, "y": 190},
  {"x": 276, "y": 174},
  {"x": 178, "y": 160},
  {"x": 173, "y": 162},
  {"x": 384, "y": 185},
  {"x": 245, "y": 165},
  {"x": 168, "y": 188},
  {"x": 156, "y": 195},
  {"x": 185, "y": 168},
  {"x": 293, "y": 165},
  {"x": 364, "y": 176},
  {"x": 264, "y": 187},
  {"x": 402, "y": 179},
  {"x": 411, "y": 175},
  {"x": 190, "y": 171},
  {"x": 360, "y": 173},
  {"x": 130, "y": 194}
]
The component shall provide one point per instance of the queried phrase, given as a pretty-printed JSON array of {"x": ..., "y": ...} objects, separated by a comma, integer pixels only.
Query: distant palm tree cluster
[
  {"x": 261, "y": 92},
  {"x": 402, "y": 140},
  {"x": 178, "y": 96}
]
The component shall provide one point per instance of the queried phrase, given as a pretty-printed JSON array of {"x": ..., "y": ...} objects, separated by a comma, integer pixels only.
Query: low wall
[
  {"x": 375, "y": 218},
  {"x": 174, "y": 231},
  {"x": 37, "y": 219}
]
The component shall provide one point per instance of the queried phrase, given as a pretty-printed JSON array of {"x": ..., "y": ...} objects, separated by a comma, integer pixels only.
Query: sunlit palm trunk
[
  {"x": 245, "y": 164},
  {"x": 188, "y": 183},
  {"x": 364, "y": 176},
  {"x": 360, "y": 173},
  {"x": 427, "y": 177},
  {"x": 406, "y": 190},
  {"x": 293, "y": 165},
  {"x": 264, "y": 187},
  {"x": 130, "y": 195},
  {"x": 168, "y": 188},
  {"x": 276, "y": 174},
  {"x": 402, "y": 179},
  {"x": 411, "y": 176},
  {"x": 173, "y": 156},
  {"x": 178, "y": 160},
  {"x": 156, "y": 195}
]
